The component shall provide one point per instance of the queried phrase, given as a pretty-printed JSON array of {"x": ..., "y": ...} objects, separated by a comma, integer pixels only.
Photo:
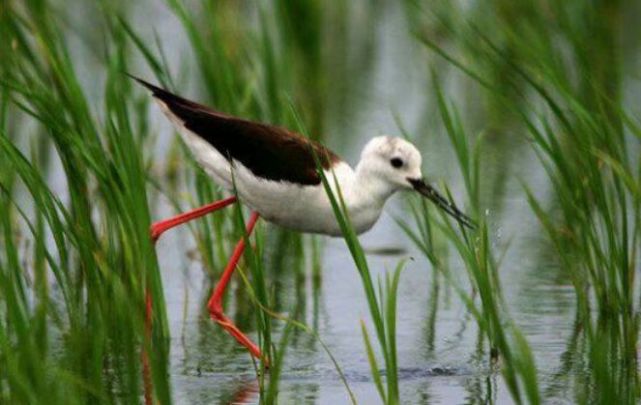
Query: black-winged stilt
[{"x": 273, "y": 171}]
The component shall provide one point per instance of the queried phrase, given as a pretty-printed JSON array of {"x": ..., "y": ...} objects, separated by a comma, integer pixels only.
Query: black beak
[{"x": 441, "y": 202}]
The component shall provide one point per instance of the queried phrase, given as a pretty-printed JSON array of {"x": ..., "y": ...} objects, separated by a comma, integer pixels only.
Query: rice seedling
[
  {"x": 579, "y": 127},
  {"x": 89, "y": 339},
  {"x": 506, "y": 343}
]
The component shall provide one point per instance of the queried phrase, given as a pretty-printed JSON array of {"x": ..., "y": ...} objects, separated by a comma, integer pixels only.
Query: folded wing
[{"x": 270, "y": 152}]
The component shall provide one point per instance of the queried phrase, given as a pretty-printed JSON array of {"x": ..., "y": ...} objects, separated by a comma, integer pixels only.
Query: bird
[{"x": 276, "y": 173}]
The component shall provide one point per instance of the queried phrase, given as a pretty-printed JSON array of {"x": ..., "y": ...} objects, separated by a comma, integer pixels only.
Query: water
[{"x": 437, "y": 339}]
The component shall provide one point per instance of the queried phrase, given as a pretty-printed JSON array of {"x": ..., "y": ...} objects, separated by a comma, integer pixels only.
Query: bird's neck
[
  {"x": 363, "y": 192},
  {"x": 360, "y": 187},
  {"x": 370, "y": 188}
]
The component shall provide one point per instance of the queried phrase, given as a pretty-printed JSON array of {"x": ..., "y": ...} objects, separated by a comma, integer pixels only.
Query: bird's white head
[
  {"x": 389, "y": 164},
  {"x": 391, "y": 161}
]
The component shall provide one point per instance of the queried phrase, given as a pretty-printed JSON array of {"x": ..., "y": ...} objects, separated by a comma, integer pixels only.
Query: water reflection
[
  {"x": 559, "y": 379},
  {"x": 432, "y": 311},
  {"x": 247, "y": 392}
]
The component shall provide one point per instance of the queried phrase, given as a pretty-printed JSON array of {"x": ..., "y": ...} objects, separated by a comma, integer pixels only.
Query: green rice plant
[
  {"x": 388, "y": 291},
  {"x": 383, "y": 311},
  {"x": 85, "y": 340},
  {"x": 475, "y": 250},
  {"x": 560, "y": 77}
]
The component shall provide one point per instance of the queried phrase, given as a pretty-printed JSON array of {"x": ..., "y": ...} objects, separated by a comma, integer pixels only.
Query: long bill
[{"x": 428, "y": 191}]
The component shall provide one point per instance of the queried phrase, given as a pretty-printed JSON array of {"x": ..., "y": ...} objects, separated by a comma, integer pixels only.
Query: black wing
[{"x": 270, "y": 152}]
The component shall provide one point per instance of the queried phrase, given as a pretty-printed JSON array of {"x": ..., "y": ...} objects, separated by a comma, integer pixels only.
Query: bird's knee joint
[{"x": 216, "y": 312}]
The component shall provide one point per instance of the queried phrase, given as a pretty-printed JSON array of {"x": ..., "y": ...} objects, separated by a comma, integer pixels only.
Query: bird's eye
[{"x": 396, "y": 162}]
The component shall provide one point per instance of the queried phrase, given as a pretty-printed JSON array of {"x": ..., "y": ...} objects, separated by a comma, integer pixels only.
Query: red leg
[
  {"x": 157, "y": 229},
  {"x": 161, "y": 226},
  {"x": 215, "y": 302}
]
